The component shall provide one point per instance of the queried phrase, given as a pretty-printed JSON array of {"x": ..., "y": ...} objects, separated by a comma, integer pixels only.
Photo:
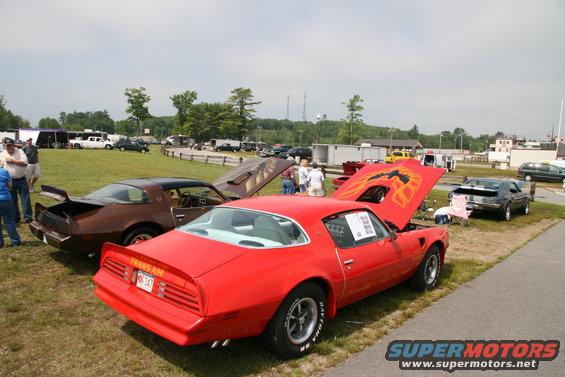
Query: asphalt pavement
[{"x": 522, "y": 297}]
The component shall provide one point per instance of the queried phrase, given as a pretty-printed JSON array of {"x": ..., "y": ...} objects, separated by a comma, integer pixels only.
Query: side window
[
  {"x": 354, "y": 228},
  {"x": 553, "y": 169},
  {"x": 514, "y": 188},
  {"x": 199, "y": 196}
]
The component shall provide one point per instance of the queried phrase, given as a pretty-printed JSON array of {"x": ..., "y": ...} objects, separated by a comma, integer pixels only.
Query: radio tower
[
  {"x": 287, "y": 108},
  {"x": 304, "y": 109}
]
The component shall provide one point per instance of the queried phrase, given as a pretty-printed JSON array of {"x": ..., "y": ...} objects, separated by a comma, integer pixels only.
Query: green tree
[
  {"x": 183, "y": 102},
  {"x": 9, "y": 120},
  {"x": 353, "y": 114},
  {"x": 137, "y": 106},
  {"x": 49, "y": 123},
  {"x": 241, "y": 101},
  {"x": 413, "y": 133}
]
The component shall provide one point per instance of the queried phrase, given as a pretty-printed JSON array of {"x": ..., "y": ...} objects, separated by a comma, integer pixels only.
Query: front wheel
[
  {"x": 143, "y": 151},
  {"x": 427, "y": 274},
  {"x": 526, "y": 208},
  {"x": 77, "y": 146},
  {"x": 527, "y": 177},
  {"x": 108, "y": 147},
  {"x": 122, "y": 149},
  {"x": 298, "y": 322}
]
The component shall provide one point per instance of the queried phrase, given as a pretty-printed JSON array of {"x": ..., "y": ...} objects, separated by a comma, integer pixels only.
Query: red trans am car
[{"x": 277, "y": 266}]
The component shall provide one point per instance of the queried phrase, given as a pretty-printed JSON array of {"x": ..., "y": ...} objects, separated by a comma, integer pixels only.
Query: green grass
[{"x": 52, "y": 324}]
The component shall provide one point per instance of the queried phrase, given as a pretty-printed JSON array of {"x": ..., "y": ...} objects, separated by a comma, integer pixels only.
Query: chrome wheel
[
  {"x": 141, "y": 237},
  {"x": 528, "y": 178},
  {"x": 431, "y": 269},
  {"x": 527, "y": 208},
  {"x": 507, "y": 213},
  {"x": 301, "y": 320}
]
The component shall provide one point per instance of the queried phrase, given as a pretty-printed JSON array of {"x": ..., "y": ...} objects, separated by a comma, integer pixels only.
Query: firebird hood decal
[
  {"x": 407, "y": 184},
  {"x": 252, "y": 175}
]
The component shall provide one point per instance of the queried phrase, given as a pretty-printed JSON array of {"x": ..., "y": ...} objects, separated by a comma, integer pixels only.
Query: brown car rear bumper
[{"x": 78, "y": 243}]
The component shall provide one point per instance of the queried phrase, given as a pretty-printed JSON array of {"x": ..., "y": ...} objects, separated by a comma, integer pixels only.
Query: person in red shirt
[{"x": 288, "y": 182}]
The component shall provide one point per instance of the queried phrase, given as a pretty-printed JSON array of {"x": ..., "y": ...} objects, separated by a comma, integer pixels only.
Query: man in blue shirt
[{"x": 7, "y": 212}]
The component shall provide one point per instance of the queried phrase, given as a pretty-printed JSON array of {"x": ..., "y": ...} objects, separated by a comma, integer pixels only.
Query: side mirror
[{"x": 392, "y": 235}]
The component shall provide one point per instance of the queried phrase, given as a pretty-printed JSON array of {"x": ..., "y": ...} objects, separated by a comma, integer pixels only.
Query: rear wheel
[
  {"x": 139, "y": 234},
  {"x": 297, "y": 323},
  {"x": 506, "y": 213},
  {"x": 108, "y": 147},
  {"x": 526, "y": 208},
  {"x": 527, "y": 177},
  {"x": 76, "y": 146},
  {"x": 427, "y": 274},
  {"x": 143, "y": 151},
  {"x": 122, "y": 149}
]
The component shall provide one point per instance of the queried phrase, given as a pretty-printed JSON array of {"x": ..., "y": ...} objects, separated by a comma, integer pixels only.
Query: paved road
[{"x": 520, "y": 298}]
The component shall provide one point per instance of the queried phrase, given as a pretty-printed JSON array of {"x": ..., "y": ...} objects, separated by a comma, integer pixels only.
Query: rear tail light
[{"x": 186, "y": 298}]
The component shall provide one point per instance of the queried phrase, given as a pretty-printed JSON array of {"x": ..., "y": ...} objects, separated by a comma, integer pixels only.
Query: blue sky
[{"x": 482, "y": 65}]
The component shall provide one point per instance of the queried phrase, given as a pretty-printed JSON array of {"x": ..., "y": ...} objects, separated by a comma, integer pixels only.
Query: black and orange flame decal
[{"x": 402, "y": 182}]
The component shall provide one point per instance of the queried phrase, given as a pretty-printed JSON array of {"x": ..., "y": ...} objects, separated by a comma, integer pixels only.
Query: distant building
[
  {"x": 561, "y": 152},
  {"x": 408, "y": 144}
]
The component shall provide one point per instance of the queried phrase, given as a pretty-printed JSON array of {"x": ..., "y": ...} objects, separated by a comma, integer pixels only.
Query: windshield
[
  {"x": 246, "y": 228},
  {"x": 119, "y": 194},
  {"x": 487, "y": 184}
]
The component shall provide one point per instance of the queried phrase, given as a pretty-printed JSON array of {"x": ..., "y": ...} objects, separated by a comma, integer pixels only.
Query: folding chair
[
  {"x": 425, "y": 210},
  {"x": 458, "y": 210}
]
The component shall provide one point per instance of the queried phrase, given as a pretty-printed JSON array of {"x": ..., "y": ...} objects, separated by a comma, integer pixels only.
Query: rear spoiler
[
  {"x": 54, "y": 193},
  {"x": 473, "y": 187}
]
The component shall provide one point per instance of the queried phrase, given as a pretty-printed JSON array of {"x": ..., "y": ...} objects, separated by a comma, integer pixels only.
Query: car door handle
[
  {"x": 348, "y": 262},
  {"x": 179, "y": 216}
]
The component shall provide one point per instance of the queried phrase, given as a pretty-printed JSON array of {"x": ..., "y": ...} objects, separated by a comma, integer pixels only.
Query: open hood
[
  {"x": 252, "y": 175},
  {"x": 405, "y": 183}
]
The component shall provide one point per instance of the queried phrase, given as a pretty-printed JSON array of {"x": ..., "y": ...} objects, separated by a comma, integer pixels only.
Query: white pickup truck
[{"x": 92, "y": 142}]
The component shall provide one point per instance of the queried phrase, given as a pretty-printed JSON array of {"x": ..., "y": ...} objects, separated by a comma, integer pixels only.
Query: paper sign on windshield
[{"x": 360, "y": 225}]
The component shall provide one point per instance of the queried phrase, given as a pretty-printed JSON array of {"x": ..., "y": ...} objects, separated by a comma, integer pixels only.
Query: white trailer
[{"x": 337, "y": 154}]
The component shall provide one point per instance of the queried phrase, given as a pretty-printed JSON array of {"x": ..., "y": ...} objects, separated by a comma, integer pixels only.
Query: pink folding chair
[{"x": 458, "y": 211}]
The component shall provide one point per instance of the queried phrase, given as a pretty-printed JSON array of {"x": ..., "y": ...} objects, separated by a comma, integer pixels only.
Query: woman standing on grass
[{"x": 7, "y": 213}]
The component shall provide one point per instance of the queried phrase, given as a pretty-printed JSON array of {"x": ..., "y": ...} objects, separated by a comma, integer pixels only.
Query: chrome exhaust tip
[
  {"x": 225, "y": 342},
  {"x": 215, "y": 344}
]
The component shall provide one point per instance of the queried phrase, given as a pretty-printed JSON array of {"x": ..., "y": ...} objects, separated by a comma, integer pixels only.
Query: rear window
[
  {"x": 487, "y": 184},
  {"x": 120, "y": 194},
  {"x": 246, "y": 228}
]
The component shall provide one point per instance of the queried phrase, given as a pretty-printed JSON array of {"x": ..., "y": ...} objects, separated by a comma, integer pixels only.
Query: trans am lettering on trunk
[
  {"x": 147, "y": 267},
  {"x": 402, "y": 181}
]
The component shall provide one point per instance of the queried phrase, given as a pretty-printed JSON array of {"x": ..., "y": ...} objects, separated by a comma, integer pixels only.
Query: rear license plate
[{"x": 145, "y": 281}]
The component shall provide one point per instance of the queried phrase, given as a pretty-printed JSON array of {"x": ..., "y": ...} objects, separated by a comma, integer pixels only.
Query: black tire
[
  {"x": 139, "y": 234},
  {"x": 143, "y": 150},
  {"x": 77, "y": 146},
  {"x": 122, "y": 149},
  {"x": 526, "y": 208},
  {"x": 427, "y": 274},
  {"x": 527, "y": 177},
  {"x": 286, "y": 336},
  {"x": 379, "y": 195},
  {"x": 506, "y": 213},
  {"x": 108, "y": 147}
]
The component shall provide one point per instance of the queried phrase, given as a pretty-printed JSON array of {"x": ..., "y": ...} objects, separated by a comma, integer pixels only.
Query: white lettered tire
[{"x": 298, "y": 322}]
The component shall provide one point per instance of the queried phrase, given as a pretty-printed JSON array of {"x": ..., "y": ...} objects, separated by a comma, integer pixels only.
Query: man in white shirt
[
  {"x": 315, "y": 181},
  {"x": 303, "y": 175},
  {"x": 15, "y": 162}
]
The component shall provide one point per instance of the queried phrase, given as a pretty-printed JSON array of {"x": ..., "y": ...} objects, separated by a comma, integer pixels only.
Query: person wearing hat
[
  {"x": 7, "y": 213},
  {"x": 15, "y": 162},
  {"x": 33, "y": 170},
  {"x": 315, "y": 181}
]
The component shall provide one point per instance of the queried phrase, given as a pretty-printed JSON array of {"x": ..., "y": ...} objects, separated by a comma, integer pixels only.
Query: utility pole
[
  {"x": 287, "y": 106},
  {"x": 304, "y": 109},
  {"x": 559, "y": 128}
]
